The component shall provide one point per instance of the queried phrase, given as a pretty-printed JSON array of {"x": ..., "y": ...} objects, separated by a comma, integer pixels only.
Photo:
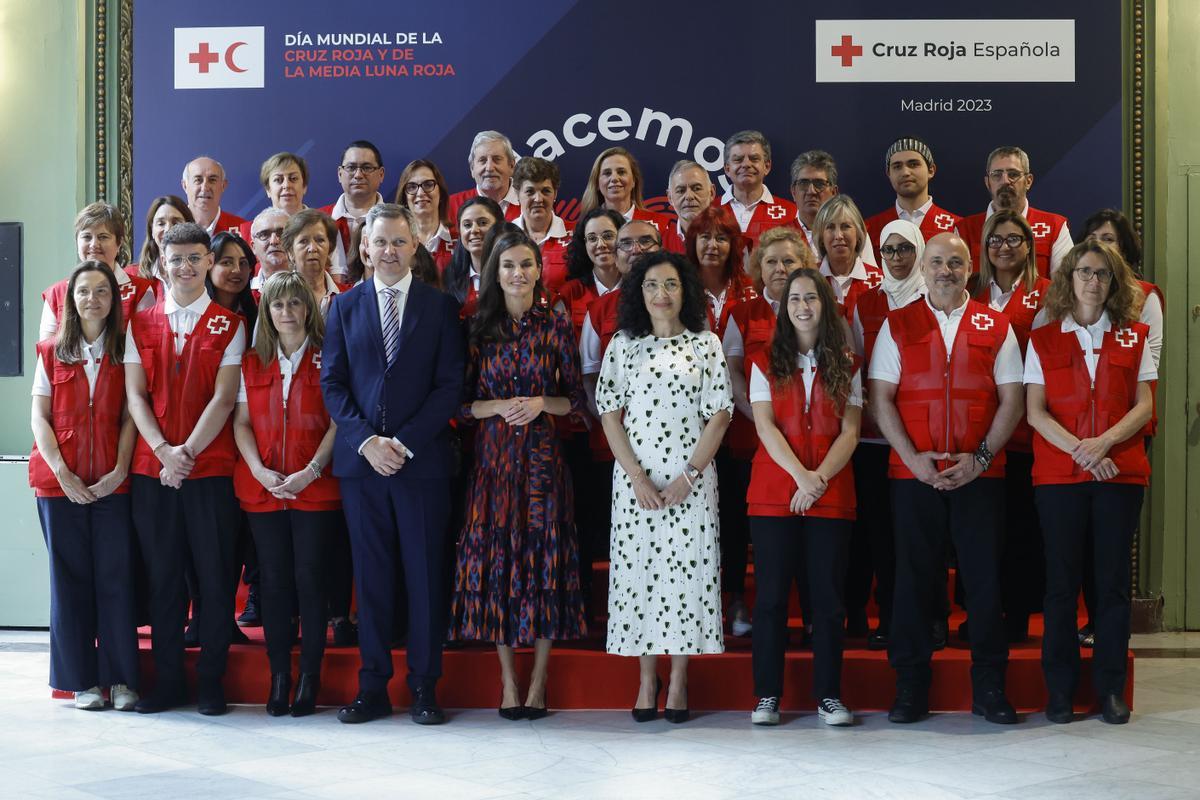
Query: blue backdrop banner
[{"x": 566, "y": 79}]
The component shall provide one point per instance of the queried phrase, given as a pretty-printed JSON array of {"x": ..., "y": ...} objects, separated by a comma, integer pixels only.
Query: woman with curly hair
[
  {"x": 1087, "y": 383},
  {"x": 806, "y": 394}
]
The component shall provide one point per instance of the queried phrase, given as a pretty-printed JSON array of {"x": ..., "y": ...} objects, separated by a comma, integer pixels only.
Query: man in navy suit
[{"x": 392, "y": 376}]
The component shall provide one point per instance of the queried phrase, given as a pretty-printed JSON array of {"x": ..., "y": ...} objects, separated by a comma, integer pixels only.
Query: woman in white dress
[{"x": 665, "y": 402}]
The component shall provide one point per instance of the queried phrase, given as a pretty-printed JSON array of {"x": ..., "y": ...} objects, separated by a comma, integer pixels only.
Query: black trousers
[
  {"x": 782, "y": 545},
  {"x": 733, "y": 476},
  {"x": 93, "y": 634},
  {"x": 926, "y": 519},
  {"x": 872, "y": 545},
  {"x": 1108, "y": 513},
  {"x": 396, "y": 521},
  {"x": 291, "y": 548},
  {"x": 200, "y": 518},
  {"x": 1022, "y": 561},
  {"x": 337, "y": 569}
]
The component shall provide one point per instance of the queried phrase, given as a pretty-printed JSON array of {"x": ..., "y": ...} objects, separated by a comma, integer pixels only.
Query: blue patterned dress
[{"x": 517, "y": 569}]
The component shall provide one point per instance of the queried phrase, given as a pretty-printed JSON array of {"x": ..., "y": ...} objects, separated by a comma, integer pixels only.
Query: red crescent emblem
[{"x": 229, "y": 57}]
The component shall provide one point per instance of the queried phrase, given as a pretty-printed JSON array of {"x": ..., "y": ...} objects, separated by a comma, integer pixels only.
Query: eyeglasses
[
  {"x": 365, "y": 169},
  {"x": 818, "y": 185},
  {"x": 267, "y": 234},
  {"x": 412, "y": 187},
  {"x": 1086, "y": 275},
  {"x": 608, "y": 237},
  {"x": 670, "y": 286},
  {"x": 177, "y": 261},
  {"x": 1013, "y": 240},
  {"x": 1013, "y": 175},
  {"x": 902, "y": 249},
  {"x": 643, "y": 243}
]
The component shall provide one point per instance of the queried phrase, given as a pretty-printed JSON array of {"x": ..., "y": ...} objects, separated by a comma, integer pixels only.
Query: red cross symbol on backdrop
[
  {"x": 982, "y": 321},
  {"x": 218, "y": 325},
  {"x": 1126, "y": 337},
  {"x": 846, "y": 51},
  {"x": 943, "y": 222},
  {"x": 776, "y": 212},
  {"x": 1040, "y": 230},
  {"x": 1030, "y": 300},
  {"x": 203, "y": 57}
]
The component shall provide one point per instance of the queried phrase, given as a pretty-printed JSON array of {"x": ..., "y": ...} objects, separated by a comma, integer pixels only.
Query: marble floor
[{"x": 50, "y": 750}]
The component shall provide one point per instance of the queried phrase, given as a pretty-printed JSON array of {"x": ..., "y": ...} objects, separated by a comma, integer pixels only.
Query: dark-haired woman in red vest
[
  {"x": 83, "y": 440},
  {"x": 285, "y": 438},
  {"x": 806, "y": 395},
  {"x": 1087, "y": 376}
]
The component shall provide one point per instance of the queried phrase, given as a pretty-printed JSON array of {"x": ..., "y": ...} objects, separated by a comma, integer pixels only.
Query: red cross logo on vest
[
  {"x": 1040, "y": 230},
  {"x": 127, "y": 290},
  {"x": 982, "y": 321},
  {"x": 874, "y": 279},
  {"x": 776, "y": 212},
  {"x": 218, "y": 325},
  {"x": 943, "y": 222},
  {"x": 1126, "y": 337},
  {"x": 1030, "y": 300},
  {"x": 316, "y": 359}
]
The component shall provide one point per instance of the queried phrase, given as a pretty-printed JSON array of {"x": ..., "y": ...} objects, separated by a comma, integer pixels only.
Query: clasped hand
[
  {"x": 285, "y": 487},
  {"x": 385, "y": 455},
  {"x": 177, "y": 463},
  {"x": 964, "y": 470},
  {"x": 521, "y": 410}
]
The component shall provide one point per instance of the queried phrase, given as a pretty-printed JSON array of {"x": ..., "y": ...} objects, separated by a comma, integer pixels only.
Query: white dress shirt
[
  {"x": 1091, "y": 338},
  {"x": 744, "y": 212},
  {"x": 760, "y": 387},
  {"x": 841, "y": 283},
  {"x": 402, "y": 286},
  {"x": 182, "y": 320},
  {"x": 92, "y": 355}
]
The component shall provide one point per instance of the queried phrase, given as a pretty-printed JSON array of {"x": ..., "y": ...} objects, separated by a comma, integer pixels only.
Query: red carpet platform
[{"x": 583, "y": 676}]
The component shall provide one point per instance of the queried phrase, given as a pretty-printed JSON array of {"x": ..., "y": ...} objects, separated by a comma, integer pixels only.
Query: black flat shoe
[
  {"x": 210, "y": 698},
  {"x": 191, "y": 634},
  {"x": 425, "y": 709},
  {"x": 163, "y": 698},
  {"x": 345, "y": 634},
  {"x": 993, "y": 706},
  {"x": 238, "y": 636},
  {"x": 940, "y": 633},
  {"x": 512, "y": 713},
  {"x": 877, "y": 639},
  {"x": 649, "y": 714},
  {"x": 307, "y": 689},
  {"x": 533, "y": 712},
  {"x": 1058, "y": 708},
  {"x": 911, "y": 705},
  {"x": 366, "y": 707},
  {"x": 1113, "y": 709},
  {"x": 249, "y": 618},
  {"x": 281, "y": 688}
]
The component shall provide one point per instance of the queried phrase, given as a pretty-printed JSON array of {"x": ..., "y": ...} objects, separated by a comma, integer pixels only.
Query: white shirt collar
[
  {"x": 766, "y": 196},
  {"x": 121, "y": 275},
  {"x": 510, "y": 197},
  {"x": 401, "y": 285},
  {"x": 919, "y": 214},
  {"x": 197, "y": 306},
  {"x": 807, "y": 360},
  {"x": 628, "y": 215},
  {"x": 772, "y": 302},
  {"x": 211, "y": 230},
  {"x": 294, "y": 359},
  {"x": 601, "y": 289},
  {"x": 1024, "y": 211},
  {"x": 1102, "y": 325},
  {"x": 331, "y": 287},
  {"x": 442, "y": 235},
  {"x": 95, "y": 350},
  {"x": 941, "y": 315},
  {"x": 558, "y": 228},
  {"x": 339, "y": 208},
  {"x": 858, "y": 272}
]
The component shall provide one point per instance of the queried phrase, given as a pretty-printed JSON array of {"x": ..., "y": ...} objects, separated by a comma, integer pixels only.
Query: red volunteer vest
[
  {"x": 180, "y": 387},
  {"x": 1046, "y": 227},
  {"x": 672, "y": 242},
  {"x": 458, "y": 198},
  {"x": 766, "y": 216},
  {"x": 756, "y": 322},
  {"x": 936, "y": 220},
  {"x": 810, "y": 433},
  {"x": 87, "y": 430},
  {"x": 872, "y": 309},
  {"x": 603, "y": 314},
  {"x": 442, "y": 252},
  {"x": 1087, "y": 407},
  {"x": 736, "y": 292},
  {"x": 131, "y": 294},
  {"x": 287, "y": 434},
  {"x": 229, "y": 223},
  {"x": 554, "y": 261},
  {"x": 947, "y": 405},
  {"x": 857, "y": 288},
  {"x": 577, "y": 297}
]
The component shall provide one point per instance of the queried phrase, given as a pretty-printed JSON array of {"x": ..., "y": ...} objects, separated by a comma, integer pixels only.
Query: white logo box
[{"x": 219, "y": 58}]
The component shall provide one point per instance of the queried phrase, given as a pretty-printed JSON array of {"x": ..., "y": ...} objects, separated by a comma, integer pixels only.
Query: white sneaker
[
  {"x": 741, "y": 625},
  {"x": 123, "y": 698},
  {"x": 832, "y": 712},
  {"x": 766, "y": 712},
  {"x": 91, "y": 700}
]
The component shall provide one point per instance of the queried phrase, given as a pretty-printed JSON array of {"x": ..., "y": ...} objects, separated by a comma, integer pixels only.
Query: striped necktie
[{"x": 391, "y": 324}]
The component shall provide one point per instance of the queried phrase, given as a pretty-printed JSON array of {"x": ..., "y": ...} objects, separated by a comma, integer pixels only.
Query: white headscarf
[{"x": 903, "y": 292}]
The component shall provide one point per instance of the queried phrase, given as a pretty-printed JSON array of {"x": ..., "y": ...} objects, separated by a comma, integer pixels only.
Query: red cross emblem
[
  {"x": 127, "y": 290},
  {"x": 1040, "y": 230},
  {"x": 1127, "y": 337},
  {"x": 1030, "y": 300},
  {"x": 316, "y": 359},
  {"x": 943, "y": 222},
  {"x": 874, "y": 278},
  {"x": 218, "y": 325},
  {"x": 203, "y": 57},
  {"x": 982, "y": 321},
  {"x": 776, "y": 212},
  {"x": 846, "y": 51}
]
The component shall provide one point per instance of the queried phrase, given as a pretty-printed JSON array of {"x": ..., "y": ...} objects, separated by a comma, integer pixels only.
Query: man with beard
[
  {"x": 204, "y": 183},
  {"x": 910, "y": 167},
  {"x": 492, "y": 161},
  {"x": 266, "y": 237},
  {"x": 1008, "y": 180}
]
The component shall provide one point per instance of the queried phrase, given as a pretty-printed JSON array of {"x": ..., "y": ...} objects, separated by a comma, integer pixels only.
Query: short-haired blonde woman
[
  {"x": 285, "y": 438},
  {"x": 840, "y": 236}
]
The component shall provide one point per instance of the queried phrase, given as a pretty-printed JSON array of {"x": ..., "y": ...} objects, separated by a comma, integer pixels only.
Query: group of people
[{"x": 484, "y": 399}]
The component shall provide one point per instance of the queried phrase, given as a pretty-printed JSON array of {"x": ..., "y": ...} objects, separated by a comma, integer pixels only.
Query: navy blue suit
[{"x": 401, "y": 517}]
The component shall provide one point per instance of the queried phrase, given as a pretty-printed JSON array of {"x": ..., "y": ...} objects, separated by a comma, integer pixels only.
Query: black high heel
[
  {"x": 649, "y": 714},
  {"x": 281, "y": 688},
  {"x": 675, "y": 715},
  {"x": 307, "y": 688}
]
